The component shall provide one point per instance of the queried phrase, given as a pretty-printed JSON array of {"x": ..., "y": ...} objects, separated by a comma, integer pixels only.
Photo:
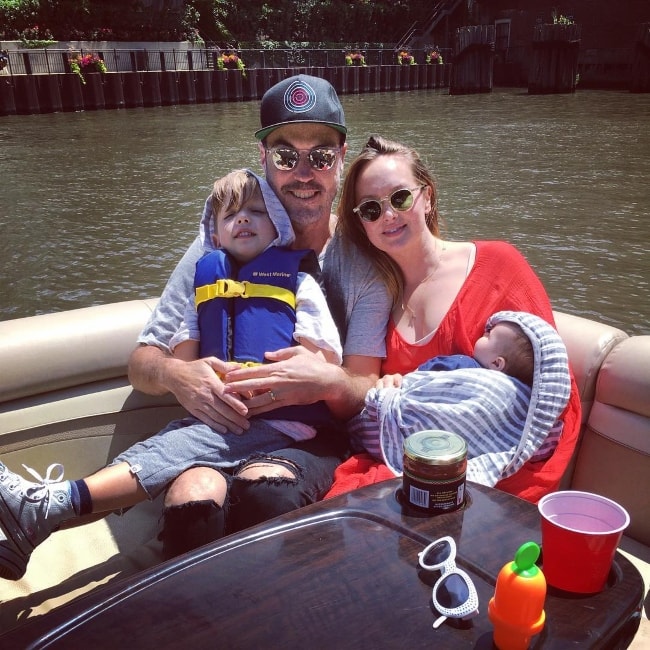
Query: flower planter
[
  {"x": 230, "y": 62},
  {"x": 355, "y": 59}
]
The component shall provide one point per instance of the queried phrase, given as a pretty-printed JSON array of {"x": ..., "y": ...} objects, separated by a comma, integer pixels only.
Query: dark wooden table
[{"x": 340, "y": 574}]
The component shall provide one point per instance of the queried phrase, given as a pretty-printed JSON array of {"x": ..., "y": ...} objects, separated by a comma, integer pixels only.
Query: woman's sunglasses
[
  {"x": 321, "y": 158},
  {"x": 399, "y": 200},
  {"x": 454, "y": 593}
]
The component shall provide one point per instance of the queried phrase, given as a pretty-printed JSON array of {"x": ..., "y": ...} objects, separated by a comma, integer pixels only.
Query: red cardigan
[{"x": 501, "y": 279}]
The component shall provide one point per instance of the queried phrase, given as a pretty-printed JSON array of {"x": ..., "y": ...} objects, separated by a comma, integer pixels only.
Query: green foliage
[
  {"x": 34, "y": 37},
  {"x": 98, "y": 20},
  {"x": 231, "y": 61},
  {"x": 559, "y": 19},
  {"x": 323, "y": 20},
  {"x": 75, "y": 68},
  {"x": 189, "y": 25},
  {"x": 355, "y": 58},
  {"x": 209, "y": 18},
  {"x": 434, "y": 56},
  {"x": 226, "y": 22},
  {"x": 15, "y": 16},
  {"x": 85, "y": 64}
]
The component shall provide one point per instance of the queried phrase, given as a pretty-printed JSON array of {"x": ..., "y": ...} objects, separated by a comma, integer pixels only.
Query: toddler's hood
[{"x": 276, "y": 211}]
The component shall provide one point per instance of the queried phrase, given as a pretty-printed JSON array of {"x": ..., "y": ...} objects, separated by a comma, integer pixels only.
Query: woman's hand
[
  {"x": 297, "y": 377},
  {"x": 390, "y": 381}
]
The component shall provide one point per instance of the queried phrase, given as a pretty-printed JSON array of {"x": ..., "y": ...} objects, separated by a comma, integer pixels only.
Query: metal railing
[{"x": 51, "y": 61}]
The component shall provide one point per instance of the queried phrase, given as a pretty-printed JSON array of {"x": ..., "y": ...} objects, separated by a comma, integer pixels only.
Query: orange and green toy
[{"x": 517, "y": 607}]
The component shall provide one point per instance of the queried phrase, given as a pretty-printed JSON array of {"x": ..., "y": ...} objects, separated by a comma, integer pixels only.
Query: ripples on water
[{"x": 97, "y": 207}]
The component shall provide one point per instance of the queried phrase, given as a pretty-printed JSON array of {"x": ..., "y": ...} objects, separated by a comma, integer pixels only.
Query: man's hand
[
  {"x": 198, "y": 387},
  {"x": 195, "y": 384}
]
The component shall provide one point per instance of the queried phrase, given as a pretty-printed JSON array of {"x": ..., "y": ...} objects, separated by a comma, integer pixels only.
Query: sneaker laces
[{"x": 41, "y": 490}]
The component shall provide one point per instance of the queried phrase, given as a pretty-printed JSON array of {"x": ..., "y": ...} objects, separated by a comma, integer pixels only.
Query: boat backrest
[
  {"x": 613, "y": 458},
  {"x": 588, "y": 343},
  {"x": 64, "y": 382},
  {"x": 41, "y": 354},
  {"x": 65, "y": 397}
]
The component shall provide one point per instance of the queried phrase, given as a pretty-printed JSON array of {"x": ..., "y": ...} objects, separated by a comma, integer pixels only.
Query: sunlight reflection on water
[{"x": 98, "y": 207}]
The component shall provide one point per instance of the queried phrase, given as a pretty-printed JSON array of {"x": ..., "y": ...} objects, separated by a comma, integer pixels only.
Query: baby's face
[
  {"x": 494, "y": 343},
  {"x": 247, "y": 232}
]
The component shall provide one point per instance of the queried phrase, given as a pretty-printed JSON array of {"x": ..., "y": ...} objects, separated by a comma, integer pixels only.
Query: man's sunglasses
[
  {"x": 454, "y": 594},
  {"x": 320, "y": 158},
  {"x": 401, "y": 200}
]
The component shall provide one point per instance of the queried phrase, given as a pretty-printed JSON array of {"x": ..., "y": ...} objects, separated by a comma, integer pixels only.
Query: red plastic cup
[{"x": 580, "y": 534}]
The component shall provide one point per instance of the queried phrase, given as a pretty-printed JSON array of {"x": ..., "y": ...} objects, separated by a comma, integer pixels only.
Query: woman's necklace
[{"x": 406, "y": 308}]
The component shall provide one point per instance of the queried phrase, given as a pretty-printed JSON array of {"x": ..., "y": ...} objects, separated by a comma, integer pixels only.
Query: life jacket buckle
[{"x": 231, "y": 289}]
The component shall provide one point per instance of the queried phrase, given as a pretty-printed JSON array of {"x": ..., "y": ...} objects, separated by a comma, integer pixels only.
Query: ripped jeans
[
  {"x": 253, "y": 501},
  {"x": 188, "y": 443}
]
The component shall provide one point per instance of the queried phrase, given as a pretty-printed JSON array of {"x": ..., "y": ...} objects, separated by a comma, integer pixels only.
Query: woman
[{"x": 443, "y": 292}]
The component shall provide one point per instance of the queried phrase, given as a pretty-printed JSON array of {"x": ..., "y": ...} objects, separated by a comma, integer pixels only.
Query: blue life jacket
[{"x": 247, "y": 310}]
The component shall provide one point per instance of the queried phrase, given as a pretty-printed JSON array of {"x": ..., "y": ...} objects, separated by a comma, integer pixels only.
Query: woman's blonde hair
[
  {"x": 230, "y": 192},
  {"x": 349, "y": 224}
]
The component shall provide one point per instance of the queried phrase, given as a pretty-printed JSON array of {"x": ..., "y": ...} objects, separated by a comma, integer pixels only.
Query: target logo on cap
[{"x": 299, "y": 97}]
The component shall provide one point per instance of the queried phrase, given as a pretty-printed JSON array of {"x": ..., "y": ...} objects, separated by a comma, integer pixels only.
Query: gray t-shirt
[{"x": 357, "y": 297}]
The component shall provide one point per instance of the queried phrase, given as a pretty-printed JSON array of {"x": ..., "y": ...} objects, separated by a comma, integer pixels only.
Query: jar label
[{"x": 434, "y": 496}]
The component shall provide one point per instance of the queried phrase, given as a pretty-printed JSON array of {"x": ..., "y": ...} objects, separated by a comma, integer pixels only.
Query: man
[
  {"x": 302, "y": 146},
  {"x": 302, "y": 149}
]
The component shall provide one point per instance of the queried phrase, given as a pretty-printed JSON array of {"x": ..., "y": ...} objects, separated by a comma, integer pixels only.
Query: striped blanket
[{"x": 504, "y": 422}]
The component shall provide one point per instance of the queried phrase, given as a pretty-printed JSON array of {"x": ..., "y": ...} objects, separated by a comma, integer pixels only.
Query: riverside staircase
[{"x": 419, "y": 33}]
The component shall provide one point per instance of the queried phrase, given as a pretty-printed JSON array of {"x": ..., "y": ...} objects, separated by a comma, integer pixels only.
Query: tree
[{"x": 220, "y": 21}]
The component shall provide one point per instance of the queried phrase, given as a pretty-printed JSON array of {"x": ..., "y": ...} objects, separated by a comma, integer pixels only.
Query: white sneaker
[{"x": 29, "y": 513}]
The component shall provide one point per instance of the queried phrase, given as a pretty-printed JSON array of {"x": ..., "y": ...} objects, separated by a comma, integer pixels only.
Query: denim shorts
[{"x": 187, "y": 443}]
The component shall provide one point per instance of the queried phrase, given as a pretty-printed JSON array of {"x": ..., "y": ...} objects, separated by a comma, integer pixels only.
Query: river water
[{"x": 96, "y": 207}]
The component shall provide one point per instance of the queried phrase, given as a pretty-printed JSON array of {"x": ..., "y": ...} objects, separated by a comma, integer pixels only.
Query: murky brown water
[{"x": 97, "y": 207}]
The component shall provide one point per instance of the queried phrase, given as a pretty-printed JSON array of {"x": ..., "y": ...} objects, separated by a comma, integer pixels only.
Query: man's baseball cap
[{"x": 301, "y": 99}]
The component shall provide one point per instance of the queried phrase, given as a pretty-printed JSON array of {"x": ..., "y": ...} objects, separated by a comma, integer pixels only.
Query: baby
[
  {"x": 504, "y": 346},
  {"x": 506, "y": 417}
]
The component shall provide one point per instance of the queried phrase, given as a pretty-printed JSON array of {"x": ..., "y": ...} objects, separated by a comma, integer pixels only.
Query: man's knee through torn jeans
[{"x": 250, "y": 502}]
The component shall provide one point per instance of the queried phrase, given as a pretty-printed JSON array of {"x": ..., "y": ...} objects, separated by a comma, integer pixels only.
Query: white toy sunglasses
[{"x": 454, "y": 594}]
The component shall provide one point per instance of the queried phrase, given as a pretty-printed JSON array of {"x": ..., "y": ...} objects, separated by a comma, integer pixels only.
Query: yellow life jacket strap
[
  {"x": 243, "y": 364},
  {"x": 235, "y": 289}
]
